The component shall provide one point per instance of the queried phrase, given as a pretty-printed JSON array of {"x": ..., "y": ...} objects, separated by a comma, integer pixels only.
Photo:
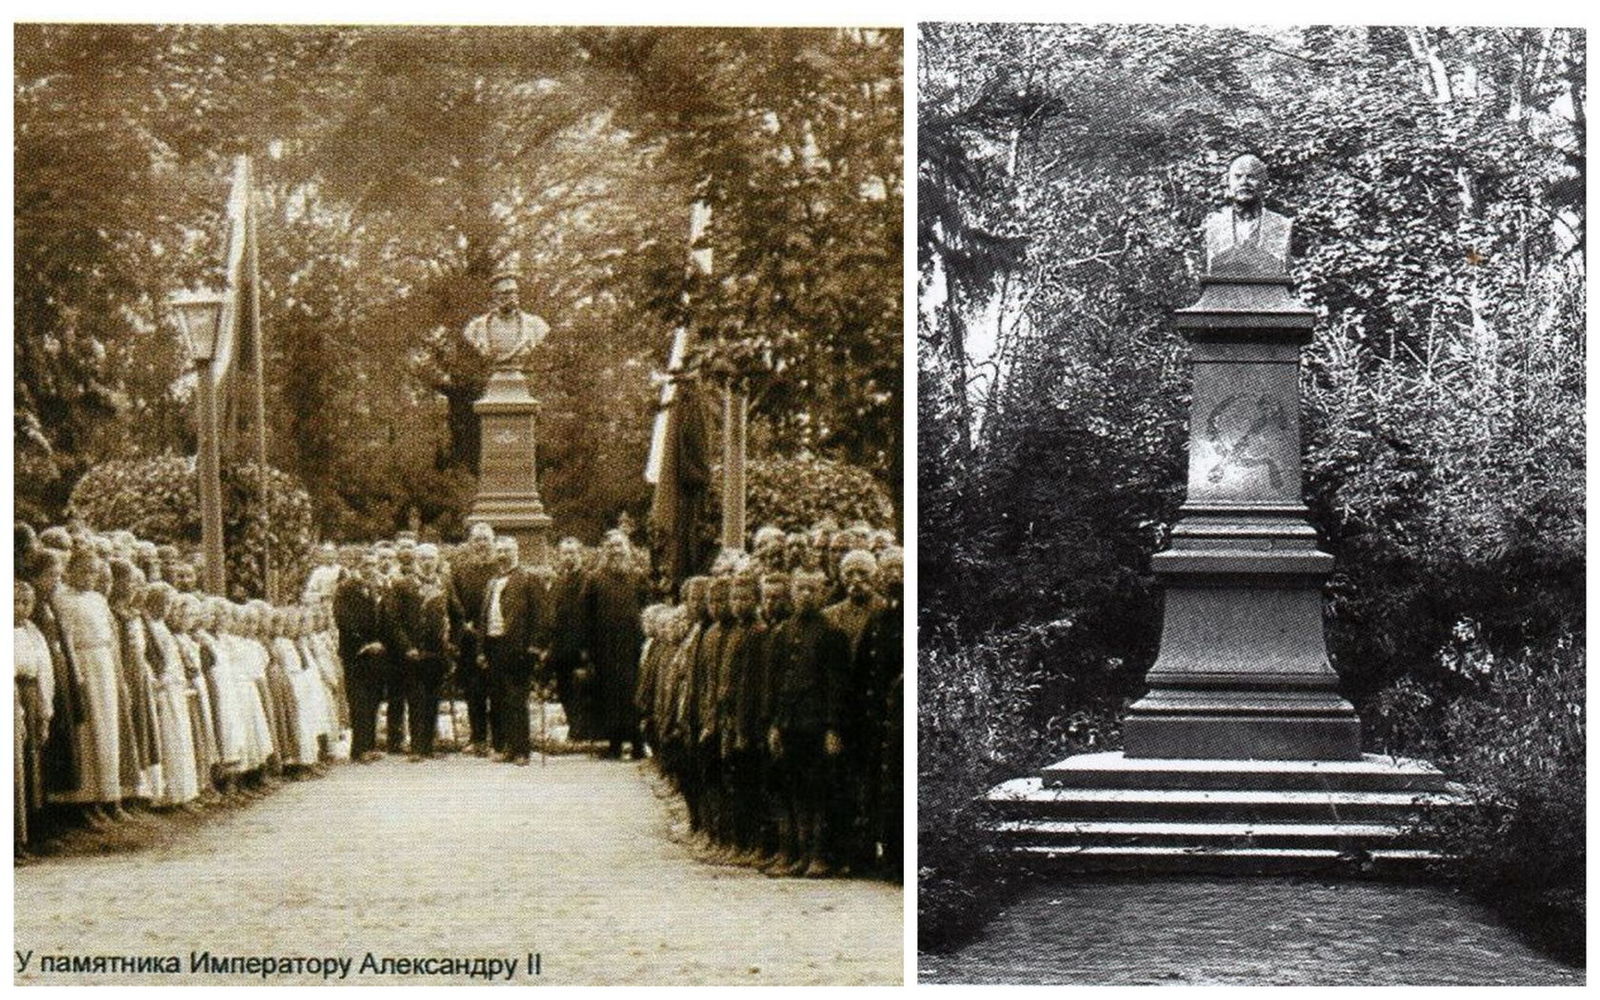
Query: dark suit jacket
[
  {"x": 520, "y": 604},
  {"x": 468, "y": 578},
  {"x": 425, "y": 625},
  {"x": 810, "y": 666},
  {"x": 359, "y": 614}
]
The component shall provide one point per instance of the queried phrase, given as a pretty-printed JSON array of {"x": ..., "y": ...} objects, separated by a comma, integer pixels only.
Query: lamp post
[
  {"x": 735, "y": 425},
  {"x": 199, "y": 314}
]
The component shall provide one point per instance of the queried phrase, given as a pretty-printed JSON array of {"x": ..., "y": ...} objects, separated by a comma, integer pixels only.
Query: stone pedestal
[
  {"x": 1243, "y": 672},
  {"x": 1243, "y": 756},
  {"x": 508, "y": 488}
]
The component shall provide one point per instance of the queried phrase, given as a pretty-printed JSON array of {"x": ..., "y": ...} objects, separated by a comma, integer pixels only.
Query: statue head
[
  {"x": 1246, "y": 180},
  {"x": 503, "y": 288}
]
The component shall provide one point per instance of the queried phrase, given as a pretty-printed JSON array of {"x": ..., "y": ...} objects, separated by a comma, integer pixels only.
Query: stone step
[
  {"x": 1042, "y": 833},
  {"x": 1028, "y": 798},
  {"x": 1373, "y": 773},
  {"x": 1225, "y": 861}
]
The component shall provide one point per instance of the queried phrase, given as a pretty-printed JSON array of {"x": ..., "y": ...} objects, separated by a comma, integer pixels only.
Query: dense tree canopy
[{"x": 397, "y": 169}]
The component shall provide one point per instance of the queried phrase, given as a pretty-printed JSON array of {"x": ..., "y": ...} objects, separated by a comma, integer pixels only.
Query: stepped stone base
[{"x": 1109, "y": 812}]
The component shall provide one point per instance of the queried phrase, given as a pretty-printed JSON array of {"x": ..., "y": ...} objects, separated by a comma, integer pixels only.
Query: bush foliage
[
  {"x": 158, "y": 499},
  {"x": 795, "y": 493}
]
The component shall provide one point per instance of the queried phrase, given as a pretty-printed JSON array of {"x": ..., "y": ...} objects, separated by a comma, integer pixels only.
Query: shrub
[
  {"x": 158, "y": 499},
  {"x": 1516, "y": 740},
  {"x": 795, "y": 493},
  {"x": 988, "y": 710}
]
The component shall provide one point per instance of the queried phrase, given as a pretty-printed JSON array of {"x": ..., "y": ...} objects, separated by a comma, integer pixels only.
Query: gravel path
[
  {"x": 1246, "y": 931},
  {"x": 459, "y": 857}
]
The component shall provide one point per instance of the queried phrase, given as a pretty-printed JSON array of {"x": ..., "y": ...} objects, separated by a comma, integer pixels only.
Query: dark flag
[{"x": 681, "y": 472}]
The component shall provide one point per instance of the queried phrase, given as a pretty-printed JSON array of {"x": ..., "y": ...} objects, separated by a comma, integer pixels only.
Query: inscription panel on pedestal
[
  {"x": 1245, "y": 439},
  {"x": 506, "y": 464}
]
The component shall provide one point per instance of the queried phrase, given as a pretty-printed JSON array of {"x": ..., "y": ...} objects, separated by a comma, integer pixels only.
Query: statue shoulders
[
  {"x": 534, "y": 327},
  {"x": 1264, "y": 249},
  {"x": 1221, "y": 221}
]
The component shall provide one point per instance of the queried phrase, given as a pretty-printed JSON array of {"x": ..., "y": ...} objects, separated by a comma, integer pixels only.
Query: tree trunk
[{"x": 956, "y": 345}]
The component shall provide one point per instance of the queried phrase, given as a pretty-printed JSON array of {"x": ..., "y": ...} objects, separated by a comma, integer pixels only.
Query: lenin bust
[{"x": 1244, "y": 239}]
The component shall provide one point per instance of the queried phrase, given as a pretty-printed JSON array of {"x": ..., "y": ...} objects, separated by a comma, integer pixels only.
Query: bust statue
[
  {"x": 1245, "y": 239},
  {"x": 505, "y": 335}
]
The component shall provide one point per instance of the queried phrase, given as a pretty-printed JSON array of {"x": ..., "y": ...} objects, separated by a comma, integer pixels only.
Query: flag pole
[{"x": 258, "y": 372}]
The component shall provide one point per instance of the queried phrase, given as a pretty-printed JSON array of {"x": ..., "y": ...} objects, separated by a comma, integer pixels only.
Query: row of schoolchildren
[
  {"x": 137, "y": 692},
  {"x": 772, "y": 694}
]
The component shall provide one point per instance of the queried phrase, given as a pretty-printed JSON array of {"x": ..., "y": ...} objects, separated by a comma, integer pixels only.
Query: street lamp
[
  {"x": 199, "y": 316},
  {"x": 199, "y": 322}
]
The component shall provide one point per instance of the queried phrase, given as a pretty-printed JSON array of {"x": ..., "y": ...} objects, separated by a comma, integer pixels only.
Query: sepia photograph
[
  {"x": 459, "y": 515},
  {"x": 1250, "y": 528}
]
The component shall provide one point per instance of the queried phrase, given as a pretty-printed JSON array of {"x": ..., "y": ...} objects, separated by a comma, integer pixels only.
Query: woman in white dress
[
  {"x": 89, "y": 634},
  {"x": 325, "y": 640},
  {"x": 181, "y": 780},
  {"x": 182, "y": 613},
  {"x": 239, "y": 629},
  {"x": 228, "y": 705},
  {"x": 313, "y": 655}
]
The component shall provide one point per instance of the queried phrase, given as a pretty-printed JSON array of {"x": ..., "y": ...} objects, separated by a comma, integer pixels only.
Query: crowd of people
[
  {"x": 772, "y": 692},
  {"x": 136, "y": 691},
  {"x": 768, "y": 694},
  {"x": 481, "y": 624}
]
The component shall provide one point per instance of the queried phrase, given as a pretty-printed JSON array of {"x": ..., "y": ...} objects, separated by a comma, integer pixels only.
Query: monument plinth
[
  {"x": 1243, "y": 755},
  {"x": 508, "y": 480},
  {"x": 1243, "y": 671}
]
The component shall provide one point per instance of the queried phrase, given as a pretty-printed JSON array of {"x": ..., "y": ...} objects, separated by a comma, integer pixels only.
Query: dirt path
[
  {"x": 459, "y": 857},
  {"x": 1257, "y": 932}
]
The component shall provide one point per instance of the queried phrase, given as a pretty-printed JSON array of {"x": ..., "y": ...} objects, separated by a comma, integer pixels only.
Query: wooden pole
[
  {"x": 258, "y": 383},
  {"x": 209, "y": 472},
  {"x": 735, "y": 422}
]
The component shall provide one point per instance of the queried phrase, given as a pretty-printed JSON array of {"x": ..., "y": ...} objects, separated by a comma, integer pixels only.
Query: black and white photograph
[
  {"x": 459, "y": 518},
  {"x": 1250, "y": 505}
]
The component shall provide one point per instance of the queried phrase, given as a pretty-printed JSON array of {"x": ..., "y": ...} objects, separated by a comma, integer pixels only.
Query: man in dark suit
[
  {"x": 469, "y": 575},
  {"x": 357, "y": 608},
  {"x": 394, "y": 676},
  {"x": 565, "y": 614},
  {"x": 613, "y": 596},
  {"x": 511, "y": 636},
  {"x": 426, "y": 618}
]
